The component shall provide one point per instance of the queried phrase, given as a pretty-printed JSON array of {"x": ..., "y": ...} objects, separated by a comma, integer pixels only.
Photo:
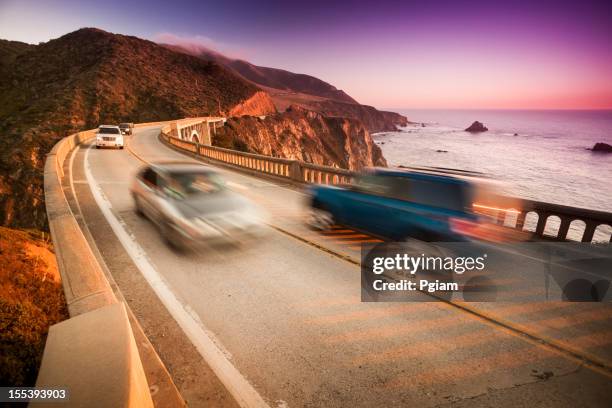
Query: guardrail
[
  {"x": 301, "y": 172},
  {"x": 567, "y": 217},
  {"x": 290, "y": 169},
  {"x": 93, "y": 354}
]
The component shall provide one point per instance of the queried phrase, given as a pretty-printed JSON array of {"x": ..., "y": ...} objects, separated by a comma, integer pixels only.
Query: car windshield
[
  {"x": 187, "y": 184},
  {"x": 373, "y": 184},
  {"x": 109, "y": 130},
  {"x": 449, "y": 195},
  {"x": 124, "y": 126}
]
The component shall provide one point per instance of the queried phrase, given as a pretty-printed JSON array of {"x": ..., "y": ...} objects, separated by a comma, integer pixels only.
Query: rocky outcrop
[
  {"x": 373, "y": 119},
  {"x": 477, "y": 127},
  {"x": 602, "y": 148},
  {"x": 304, "y": 135},
  {"x": 258, "y": 104}
]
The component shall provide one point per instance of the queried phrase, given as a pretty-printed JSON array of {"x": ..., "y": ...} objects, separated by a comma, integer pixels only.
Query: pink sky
[{"x": 386, "y": 53}]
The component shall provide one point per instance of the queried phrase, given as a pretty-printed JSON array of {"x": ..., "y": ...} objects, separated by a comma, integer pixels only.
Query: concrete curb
[
  {"x": 75, "y": 350},
  {"x": 85, "y": 286}
]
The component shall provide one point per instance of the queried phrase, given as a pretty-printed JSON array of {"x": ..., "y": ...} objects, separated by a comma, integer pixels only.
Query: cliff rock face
[
  {"x": 89, "y": 77},
  {"x": 372, "y": 118},
  {"x": 258, "y": 104},
  {"x": 303, "y": 135}
]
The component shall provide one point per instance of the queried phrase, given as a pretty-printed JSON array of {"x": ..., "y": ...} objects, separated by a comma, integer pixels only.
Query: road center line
[{"x": 242, "y": 391}]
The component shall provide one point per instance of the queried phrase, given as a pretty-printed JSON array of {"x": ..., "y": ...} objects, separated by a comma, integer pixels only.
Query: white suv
[{"x": 109, "y": 136}]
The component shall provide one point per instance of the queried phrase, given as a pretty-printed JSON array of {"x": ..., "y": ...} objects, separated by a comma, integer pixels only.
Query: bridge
[{"x": 280, "y": 322}]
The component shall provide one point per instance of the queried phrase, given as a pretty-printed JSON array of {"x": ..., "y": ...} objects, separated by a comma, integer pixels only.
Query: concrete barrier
[
  {"x": 94, "y": 357},
  {"x": 93, "y": 354},
  {"x": 85, "y": 286}
]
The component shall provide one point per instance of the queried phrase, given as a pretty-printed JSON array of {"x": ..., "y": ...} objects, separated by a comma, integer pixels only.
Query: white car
[
  {"x": 192, "y": 206},
  {"x": 109, "y": 136}
]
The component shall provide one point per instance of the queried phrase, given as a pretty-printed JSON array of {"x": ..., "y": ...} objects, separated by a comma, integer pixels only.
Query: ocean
[{"x": 539, "y": 154}]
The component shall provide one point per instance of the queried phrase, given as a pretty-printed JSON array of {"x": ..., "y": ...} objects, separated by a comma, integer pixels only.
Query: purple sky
[{"x": 393, "y": 54}]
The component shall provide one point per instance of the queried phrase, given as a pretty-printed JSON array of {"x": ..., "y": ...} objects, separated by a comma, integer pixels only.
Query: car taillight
[
  {"x": 474, "y": 229},
  {"x": 462, "y": 226}
]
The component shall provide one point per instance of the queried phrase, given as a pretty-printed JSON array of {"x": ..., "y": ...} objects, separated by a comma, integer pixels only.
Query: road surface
[{"x": 280, "y": 321}]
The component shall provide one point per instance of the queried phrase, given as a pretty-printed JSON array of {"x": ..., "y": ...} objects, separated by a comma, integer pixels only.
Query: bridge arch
[
  {"x": 576, "y": 230},
  {"x": 195, "y": 136},
  {"x": 531, "y": 220},
  {"x": 603, "y": 233},
  {"x": 552, "y": 226}
]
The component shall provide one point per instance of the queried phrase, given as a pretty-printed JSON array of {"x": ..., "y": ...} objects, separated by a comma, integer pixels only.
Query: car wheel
[
  {"x": 320, "y": 219},
  {"x": 121, "y": 147},
  {"x": 138, "y": 208},
  {"x": 167, "y": 235},
  {"x": 97, "y": 147},
  {"x": 417, "y": 248}
]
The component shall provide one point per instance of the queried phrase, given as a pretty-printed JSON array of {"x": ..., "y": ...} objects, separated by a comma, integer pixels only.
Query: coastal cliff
[
  {"x": 372, "y": 118},
  {"x": 258, "y": 104},
  {"x": 304, "y": 135},
  {"x": 288, "y": 88}
]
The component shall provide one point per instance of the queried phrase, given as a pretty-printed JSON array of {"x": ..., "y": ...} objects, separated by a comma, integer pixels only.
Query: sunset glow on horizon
[{"x": 551, "y": 55}]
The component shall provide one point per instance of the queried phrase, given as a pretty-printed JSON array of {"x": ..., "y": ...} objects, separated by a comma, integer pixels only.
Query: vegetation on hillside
[
  {"x": 31, "y": 300},
  {"x": 49, "y": 91},
  {"x": 81, "y": 80},
  {"x": 288, "y": 88}
]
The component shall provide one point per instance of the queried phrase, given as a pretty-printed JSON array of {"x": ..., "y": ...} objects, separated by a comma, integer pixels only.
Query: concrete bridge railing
[
  {"x": 293, "y": 170},
  {"x": 568, "y": 218},
  {"x": 93, "y": 354}
]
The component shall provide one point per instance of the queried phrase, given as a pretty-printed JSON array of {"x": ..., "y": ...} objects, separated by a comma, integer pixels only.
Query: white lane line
[{"x": 242, "y": 391}]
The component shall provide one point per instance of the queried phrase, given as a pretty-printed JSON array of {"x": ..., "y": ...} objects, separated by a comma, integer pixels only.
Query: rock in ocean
[
  {"x": 602, "y": 148},
  {"x": 477, "y": 127}
]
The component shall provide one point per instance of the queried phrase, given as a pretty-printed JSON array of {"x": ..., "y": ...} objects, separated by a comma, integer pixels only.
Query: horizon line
[{"x": 516, "y": 109}]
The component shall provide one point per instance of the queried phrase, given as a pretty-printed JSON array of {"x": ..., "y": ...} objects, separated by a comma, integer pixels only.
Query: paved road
[{"x": 281, "y": 319}]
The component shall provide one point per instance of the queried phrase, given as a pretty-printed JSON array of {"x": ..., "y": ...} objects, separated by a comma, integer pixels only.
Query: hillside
[
  {"x": 288, "y": 88},
  {"x": 374, "y": 119},
  {"x": 304, "y": 135},
  {"x": 31, "y": 300},
  {"x": 89, "y": 77},
  {"x": 289, "y": 81},
  {"x": 9, "y": 50},
  {"x": 278, "y": 79}
]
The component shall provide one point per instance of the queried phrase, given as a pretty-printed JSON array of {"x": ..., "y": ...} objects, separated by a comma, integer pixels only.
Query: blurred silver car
[{"x": 191, "y": 205}]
